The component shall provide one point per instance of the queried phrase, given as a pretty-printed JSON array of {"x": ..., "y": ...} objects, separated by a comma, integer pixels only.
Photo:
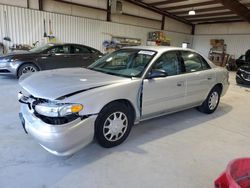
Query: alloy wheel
[
  {"x": 28, "y": 69},
  {"x": 213, "y": 100},
  {"x": 115, "y": 126}
]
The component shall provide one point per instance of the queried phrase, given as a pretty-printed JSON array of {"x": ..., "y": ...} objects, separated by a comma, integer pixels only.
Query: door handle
[
  {"x": 181, "y": 83},
  {"x": 209, "y": 78}
]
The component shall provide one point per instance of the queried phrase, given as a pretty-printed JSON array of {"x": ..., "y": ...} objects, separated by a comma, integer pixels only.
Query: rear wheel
[
  {"x": 212, "y": 101},
  {"x": 26, "y": 68},
  {"x": 113, "y": 125}
]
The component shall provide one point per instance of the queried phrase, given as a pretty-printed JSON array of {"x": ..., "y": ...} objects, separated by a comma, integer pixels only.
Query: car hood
[
  {"x": 55, "y": 84},
  {"x": 17, "y": 55}
]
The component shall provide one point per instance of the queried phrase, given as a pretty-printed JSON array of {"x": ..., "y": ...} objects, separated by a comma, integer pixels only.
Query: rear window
[
  {"x": 194, "y": 62},
  {"x": 80, "y": 50}
]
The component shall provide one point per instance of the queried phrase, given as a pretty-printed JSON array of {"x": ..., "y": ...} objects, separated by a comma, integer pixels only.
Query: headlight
[
  {"x": 11, "y": 60},
  {"x": 19, "y": 95},
  {"x": 58, "y": 110}
]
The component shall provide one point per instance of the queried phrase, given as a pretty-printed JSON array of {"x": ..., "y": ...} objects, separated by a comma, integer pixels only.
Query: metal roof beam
[
  {"x": 209, "y": 15},
  {"x": 192, "y": 5},
  {"x": 237, "y": 8},
  {"x": 159, "y": 11},
  {"x": 158, "y": 3},
  {"x": 216, "y": 19}
]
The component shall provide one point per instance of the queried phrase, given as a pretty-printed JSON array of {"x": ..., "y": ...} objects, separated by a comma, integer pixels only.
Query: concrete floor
[{"x": 186, "y": 149}]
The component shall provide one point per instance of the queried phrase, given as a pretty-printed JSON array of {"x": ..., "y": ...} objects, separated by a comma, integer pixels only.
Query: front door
[
  {"x": 56, "y": 57},
  {"x": 162, "y": 95}
]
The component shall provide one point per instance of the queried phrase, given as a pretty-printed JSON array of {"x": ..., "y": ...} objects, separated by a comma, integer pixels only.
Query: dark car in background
[
  {"x": 243, "y": 74},
  {"x": 243, "y": 59},
  {"x": 240, "y": 61},
  {"x": 46, "y": 57}
]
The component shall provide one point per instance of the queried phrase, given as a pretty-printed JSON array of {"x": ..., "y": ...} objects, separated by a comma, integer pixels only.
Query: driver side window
[
  {"x": 56, "y": 50},
  {"x": 169, "y": 63}
]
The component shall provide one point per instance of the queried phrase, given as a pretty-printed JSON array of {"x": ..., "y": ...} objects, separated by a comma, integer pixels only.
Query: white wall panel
[
  {"x": 226, "y": 28},
  {"x": 236, "y": 44},
  {"x": 63, "y": 8},
  {"x": 176, "y": 26},
  {"x": 236, "y": 36},
  {"x": 136, "y": 21},
  {"x": 33, "y": 4},
  {"x": 20, "y": 3},
  {"x": 94, "y": 3},
  {"x": 26, "y": 27},
  {"x": 128, "y": 8},
  {"x": 139, "y": 11}
]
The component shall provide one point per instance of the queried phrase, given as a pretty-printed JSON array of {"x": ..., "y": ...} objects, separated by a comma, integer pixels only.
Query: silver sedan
[{"x": 65, "y": 109}]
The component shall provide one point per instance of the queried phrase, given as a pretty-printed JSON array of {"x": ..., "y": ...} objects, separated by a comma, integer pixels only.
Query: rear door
[
  {"x": 165, "y": 94},
  {"x": 53, "y": 58},
  {"x": 199, "y": 75},
  {"x": 83, "y": 56},
  {"x": 70, "y": 58}
]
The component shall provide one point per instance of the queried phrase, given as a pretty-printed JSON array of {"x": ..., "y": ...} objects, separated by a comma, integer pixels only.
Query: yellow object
[
  {"x": 52, "y": 40},
  {"x": 76, "y": 108}
]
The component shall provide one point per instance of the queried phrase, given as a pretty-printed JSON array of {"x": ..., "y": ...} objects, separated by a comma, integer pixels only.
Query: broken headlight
[{"x": 57, "y": 109}]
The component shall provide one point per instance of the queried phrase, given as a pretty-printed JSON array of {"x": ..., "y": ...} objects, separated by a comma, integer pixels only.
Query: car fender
[{"x": 95, "y": 99}]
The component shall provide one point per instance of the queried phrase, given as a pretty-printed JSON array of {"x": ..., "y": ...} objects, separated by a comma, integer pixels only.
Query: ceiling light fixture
[{"x": 191, "y": 12}]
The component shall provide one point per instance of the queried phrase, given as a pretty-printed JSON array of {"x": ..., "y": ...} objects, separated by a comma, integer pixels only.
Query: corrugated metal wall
[
  {"x": 236, "y": 36},
  {"x": 26, "y": 27},
  {"x": 236, "y": 44}
]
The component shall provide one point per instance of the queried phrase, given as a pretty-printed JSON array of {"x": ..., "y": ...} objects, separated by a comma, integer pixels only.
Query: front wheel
[
  {"x": 113, "y": 125},
  {"x": 26, "y": 68},
  {"x": 212, "y": 101},
  {"x": 239, "y": 81}
]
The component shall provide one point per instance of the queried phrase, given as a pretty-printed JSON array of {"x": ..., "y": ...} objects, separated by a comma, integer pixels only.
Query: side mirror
[{"x": 157, "y": 73}]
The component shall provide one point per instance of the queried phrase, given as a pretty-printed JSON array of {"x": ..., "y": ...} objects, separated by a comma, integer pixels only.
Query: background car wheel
[
  {"x": 238, "y": 81},
  {"x": 113, "y": 125},
  {"x": 212, "y": 101},
  {"x": 26, "y": 68}
]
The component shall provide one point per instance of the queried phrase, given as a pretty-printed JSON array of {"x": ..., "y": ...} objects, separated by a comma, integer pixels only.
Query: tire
[
  {"x": 238, "y": 80},
  {"x": 26, "y": 68},
  {"x": 212, "y": 101},
  {"x": 107, "y": 134}
]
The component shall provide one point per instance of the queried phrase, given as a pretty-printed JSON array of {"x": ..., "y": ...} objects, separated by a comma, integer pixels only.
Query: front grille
[
  {"x": 33, "y": 101},
  {"x": 57, "y": 120}
]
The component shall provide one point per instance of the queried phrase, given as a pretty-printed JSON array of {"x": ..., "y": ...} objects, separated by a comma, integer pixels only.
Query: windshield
[
  {"x": 125, "y": 62},
  {"x": 40, "y": 48}
]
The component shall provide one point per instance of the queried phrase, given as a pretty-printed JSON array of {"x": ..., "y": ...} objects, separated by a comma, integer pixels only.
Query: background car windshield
[
  {"x": 40, "y": 48},
  {"x": 126, "y": 62}
]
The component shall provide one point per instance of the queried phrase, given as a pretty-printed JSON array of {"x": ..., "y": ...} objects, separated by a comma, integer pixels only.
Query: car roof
[
  {"x": 57, "y": 44},
  {"x": 60, "y": 44},
  {"x": 158, "y": 48},
  {"x": 162, "y": 49}
]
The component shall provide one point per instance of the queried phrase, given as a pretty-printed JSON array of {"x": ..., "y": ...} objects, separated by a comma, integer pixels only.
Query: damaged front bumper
[{"x": 61, "y": 140}]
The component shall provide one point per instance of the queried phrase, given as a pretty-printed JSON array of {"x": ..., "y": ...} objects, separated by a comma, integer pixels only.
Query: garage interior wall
[
  {"x": 76, "y": 24},
  {"x": 236, "y": 36}
]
